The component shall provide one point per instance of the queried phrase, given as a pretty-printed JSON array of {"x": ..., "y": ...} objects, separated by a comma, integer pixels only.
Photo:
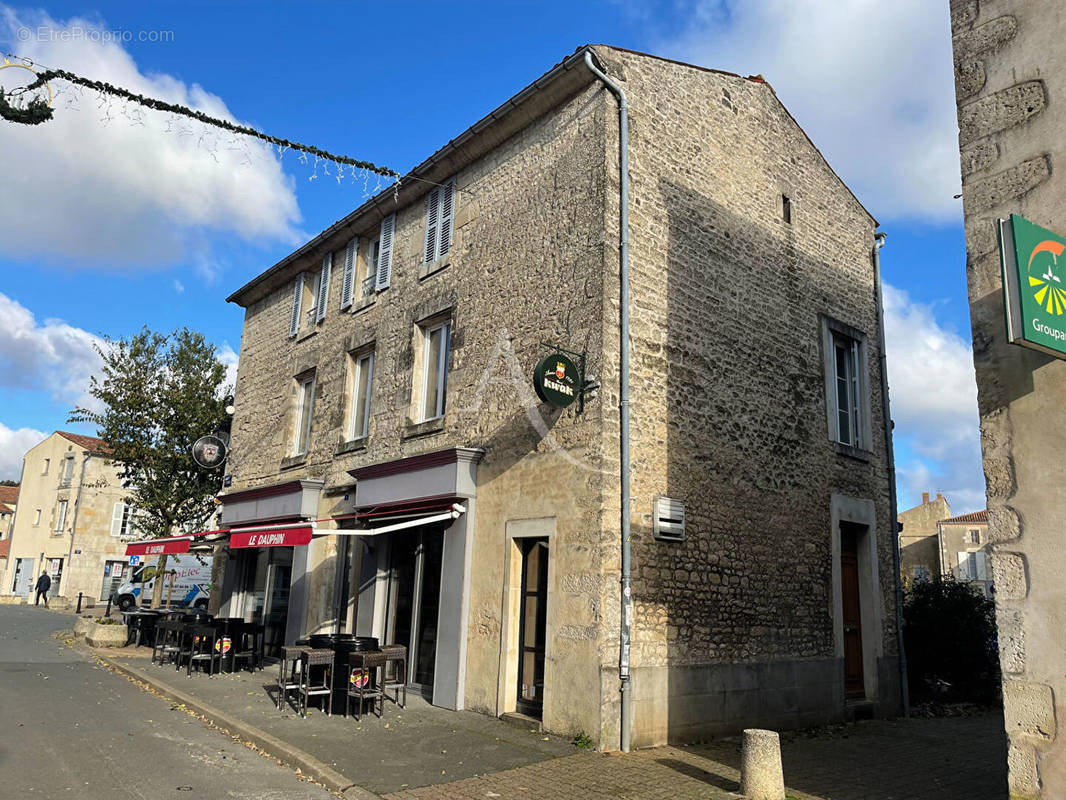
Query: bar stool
[
  {"x": 396, "y": 656},
  {"x": 287, "y": 669},
  {"x": 363, "y": 680},
  {"x": 206, "y": 646},
  {"x": 308, "y": 687},
  {"x": 167, "y": 641}
]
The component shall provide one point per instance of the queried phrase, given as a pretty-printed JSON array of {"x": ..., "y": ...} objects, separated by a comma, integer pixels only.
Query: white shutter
[
  {"x": 388, "y": 226},
  {"x": 349, "y": 273},
  {"x": 297, "y": 298},
  {"x": 982, "y": 571},
  {"x": 323, "y": 287},
  {"x": 447, "y": 193},
  {"x": 116, "y": 519},
  {"x": 432, "y": 226}
]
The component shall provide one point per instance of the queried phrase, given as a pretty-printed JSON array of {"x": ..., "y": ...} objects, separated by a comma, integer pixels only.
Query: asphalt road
[{"x": 71, "y": 729}]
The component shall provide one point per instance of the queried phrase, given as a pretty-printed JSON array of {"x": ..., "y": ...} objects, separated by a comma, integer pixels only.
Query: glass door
[
  {"x": 113, "y": 572},
  {"x": 414, "y": 600},
  {"x": 532, "y": 616}
]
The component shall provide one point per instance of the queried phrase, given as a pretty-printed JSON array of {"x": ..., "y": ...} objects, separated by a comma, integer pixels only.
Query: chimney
[
  {"x": 925, "y": 498},
  {"x": 939, "y": 496}
]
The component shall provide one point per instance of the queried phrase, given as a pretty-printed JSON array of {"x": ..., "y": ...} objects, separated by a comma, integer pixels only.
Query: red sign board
[
  {"x": 158, "y": 547},
  {"x": 279, "y": 537}
]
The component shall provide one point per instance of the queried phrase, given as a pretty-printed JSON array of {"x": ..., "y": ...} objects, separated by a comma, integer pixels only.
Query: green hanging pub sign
[
  {"x": 558, "y": 380},
  {"x": 1034, "y": 285}
]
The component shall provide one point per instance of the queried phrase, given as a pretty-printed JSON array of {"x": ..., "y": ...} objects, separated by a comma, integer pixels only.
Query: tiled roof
[
  {"x": 6, "y": 509},
  {"x": 9, "y": 494},
  {"x": 90, "y": 443},
  {"x": 5, "y": 546},
  {"x": 962, "y": 519}
]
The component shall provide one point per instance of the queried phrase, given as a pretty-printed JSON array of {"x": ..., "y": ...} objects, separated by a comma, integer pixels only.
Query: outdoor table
[
  {"x": 141, "y": 624},
  {"x": 342, "y": 644},
  {"x": 227, "y": 629}
]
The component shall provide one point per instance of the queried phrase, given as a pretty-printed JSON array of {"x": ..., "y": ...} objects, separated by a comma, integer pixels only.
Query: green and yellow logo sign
[
  {"x": 556, "y": 380},
  {"x": 1034, "y": 285}
]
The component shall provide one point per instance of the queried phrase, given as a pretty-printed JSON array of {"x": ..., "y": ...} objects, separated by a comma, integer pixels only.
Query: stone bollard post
[{"x": 761, "y": 777}]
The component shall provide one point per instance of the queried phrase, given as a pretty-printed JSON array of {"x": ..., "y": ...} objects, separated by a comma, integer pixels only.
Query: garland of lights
[{"x": 38, "y": 110}]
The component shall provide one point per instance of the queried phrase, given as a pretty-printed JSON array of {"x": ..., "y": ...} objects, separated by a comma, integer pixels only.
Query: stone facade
[
  {"x": 1010, "y": 83},
  {"x": 739, "y": 623},
  {"x": 66, "y": 508},
  {"x": 919, "y": 545},
  {"x": 964, "y": 549}
]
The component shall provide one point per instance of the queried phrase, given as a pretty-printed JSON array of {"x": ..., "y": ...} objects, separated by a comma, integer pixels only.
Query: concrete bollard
[{"x": 761, "y": 777}]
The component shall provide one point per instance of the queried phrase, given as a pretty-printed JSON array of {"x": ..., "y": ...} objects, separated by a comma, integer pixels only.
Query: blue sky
[{"x": 110, "y": 221}]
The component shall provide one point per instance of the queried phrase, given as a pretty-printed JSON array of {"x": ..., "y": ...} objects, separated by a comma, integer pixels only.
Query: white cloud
[
  {"x": 138, "y": 188},
  {"x": 13, "y": 446},
  {"x": 870, "y": 82},
  {"x": 228, "y": 357},
  {"x": 934, "y": 405},
  {"x": 53, "y": 356},
  {"x": 179, "y": 287}
]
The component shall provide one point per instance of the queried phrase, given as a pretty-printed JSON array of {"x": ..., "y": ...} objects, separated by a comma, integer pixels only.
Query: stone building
[
  {"x": 71, "y": 521},
  {"x": 1010, "y": 86},
  {"x": 919, "y": 544},
  {"x": 385, "y": 389},
  {"x": 963, "y": 541},
  {"x": 9, "y": 496}
]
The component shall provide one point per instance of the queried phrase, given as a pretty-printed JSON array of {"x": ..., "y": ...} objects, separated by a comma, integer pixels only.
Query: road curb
[{"x": 273, "y": 746}]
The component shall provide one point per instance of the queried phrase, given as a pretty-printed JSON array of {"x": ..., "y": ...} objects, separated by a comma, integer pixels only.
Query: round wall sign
[
  {"x": 555, "y": 380},
  {"x": 209, "y": 452}
]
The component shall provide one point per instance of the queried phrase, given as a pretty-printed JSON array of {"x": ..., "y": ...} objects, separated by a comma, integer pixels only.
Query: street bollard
[
  {"x": 79, "y": 604},
  {"x": 761, "y": 777},
  {"x": 108, "y": 612}
]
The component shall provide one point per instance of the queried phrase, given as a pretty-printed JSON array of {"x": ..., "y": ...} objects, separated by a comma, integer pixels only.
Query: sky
[{"x": 114, "y": 217}]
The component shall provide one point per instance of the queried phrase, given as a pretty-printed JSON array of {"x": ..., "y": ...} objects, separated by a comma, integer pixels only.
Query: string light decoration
[{"x": 38, "y": 109}]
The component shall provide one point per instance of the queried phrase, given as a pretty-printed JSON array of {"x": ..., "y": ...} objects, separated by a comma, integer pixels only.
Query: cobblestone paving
[{"x": 915, "y": 759}]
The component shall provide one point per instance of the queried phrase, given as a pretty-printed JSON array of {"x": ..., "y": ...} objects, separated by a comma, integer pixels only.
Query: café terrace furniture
[
  {"x": 167, "y": 643},
  {"x": 365, "y": 681},
  {"x": 205, "y": 647},
  {"x": 248, "y": 645},
  {"x": 394, "y": 673},
  {"x": 287, "y": 670},
  {"x": 312, "y": 661}
]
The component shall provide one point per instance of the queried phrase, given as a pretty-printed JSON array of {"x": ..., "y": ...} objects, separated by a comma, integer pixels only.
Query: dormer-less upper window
[{"x": 439, "y": 206}]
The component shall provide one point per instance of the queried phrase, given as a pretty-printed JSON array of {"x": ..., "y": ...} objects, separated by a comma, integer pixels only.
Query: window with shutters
[
  {"x": 304, "y": 412},
  {"x": 61, "y": 516},
  {"x": 975, "y": 536},
  {"x": 305, "y": 298},
  {"x": 440, "y": 205},
  {"x": 348, "y": 277},
  {"x": 846, "y": 386},
  {"x": 123, "y": 518},
  {"x": 434, "y": 383},
  {"x": 68, "y": 471},
  {"x": 382, "y": 253}
]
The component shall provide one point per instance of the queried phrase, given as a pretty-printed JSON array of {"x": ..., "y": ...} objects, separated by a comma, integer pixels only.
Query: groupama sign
[{"x": 1034, "y": 285}]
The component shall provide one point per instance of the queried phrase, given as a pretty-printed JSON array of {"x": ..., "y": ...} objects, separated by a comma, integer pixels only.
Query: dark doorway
[
  {"x": 532, "y": 616},
  {"x": 854, "y": 684},
  {"x": 415, "y": 559}
]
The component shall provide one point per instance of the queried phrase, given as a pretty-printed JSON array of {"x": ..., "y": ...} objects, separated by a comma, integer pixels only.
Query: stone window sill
[
  {"x": 362, "y": 304},
  {"x": 305, "y": 335},
  {"x": 294, "y": 461},
  {"x": 852, "y": 452},
  {"x": 351, "y": 446},
  {"x": 433, "y": 267},
  {"x": 412, "y": 430}
]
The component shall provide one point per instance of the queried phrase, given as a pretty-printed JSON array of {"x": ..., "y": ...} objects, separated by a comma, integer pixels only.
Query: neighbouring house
[
  {"x": 72, "y": 521},
  {"x": 9, "y": 496},
  {"x": 962, "y": 544},
  {"x": 1010, "y": 89},
  {"x": 395, "y": 473},
  {"x": 919, "y": 545}
]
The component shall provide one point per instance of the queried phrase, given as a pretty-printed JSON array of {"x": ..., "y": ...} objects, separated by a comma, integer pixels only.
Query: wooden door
[
  {"x": 531, "y": 628},
  {"x": 854, "y": 685}
]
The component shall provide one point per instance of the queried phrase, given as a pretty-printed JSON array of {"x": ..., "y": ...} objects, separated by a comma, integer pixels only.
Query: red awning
[
  {"x": 274, "y": 537},
  {"x": 158, "y": 547}
]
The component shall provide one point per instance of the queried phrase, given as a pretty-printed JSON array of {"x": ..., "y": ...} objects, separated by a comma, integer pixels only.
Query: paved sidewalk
[{"x": 427, "y": 753}]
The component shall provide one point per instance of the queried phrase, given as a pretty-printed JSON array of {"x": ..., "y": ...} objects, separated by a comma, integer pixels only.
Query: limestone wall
[{"x": 1010, "y": 78}]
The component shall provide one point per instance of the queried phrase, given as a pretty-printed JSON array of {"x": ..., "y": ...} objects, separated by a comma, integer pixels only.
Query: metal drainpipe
[
  {"x": 623, "y": 398},
  {"x": 879, "y": 242},
  {"x": 77, "y": 507}
]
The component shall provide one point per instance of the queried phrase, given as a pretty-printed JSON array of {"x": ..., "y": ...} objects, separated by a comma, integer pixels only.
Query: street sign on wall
[{"x": 1034, "y": 285}]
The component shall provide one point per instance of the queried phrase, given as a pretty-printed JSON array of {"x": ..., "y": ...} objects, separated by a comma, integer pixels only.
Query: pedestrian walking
[{"x": 44, "y": 583}]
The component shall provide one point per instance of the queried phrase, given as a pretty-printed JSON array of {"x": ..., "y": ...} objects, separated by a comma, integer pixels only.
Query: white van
[{"x": 192, "y": 583}]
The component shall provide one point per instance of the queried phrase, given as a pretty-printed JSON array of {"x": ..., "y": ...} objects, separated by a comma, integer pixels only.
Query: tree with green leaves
[{"x": 157, "y": 394}]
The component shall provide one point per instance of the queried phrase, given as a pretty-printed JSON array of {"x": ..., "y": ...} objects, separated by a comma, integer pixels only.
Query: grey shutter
[
  {"x": 447, "y": 198},
  {"x": 297, "y": 298},
  {"x": 323, "y": 287},
  {"x": 349, "y": 273},
  {"x": 432, "y": 226},
  {"x": 388, "y": 226},
  {"x": 116, "y": 518},
  {"x": 982, "y": 570}
]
